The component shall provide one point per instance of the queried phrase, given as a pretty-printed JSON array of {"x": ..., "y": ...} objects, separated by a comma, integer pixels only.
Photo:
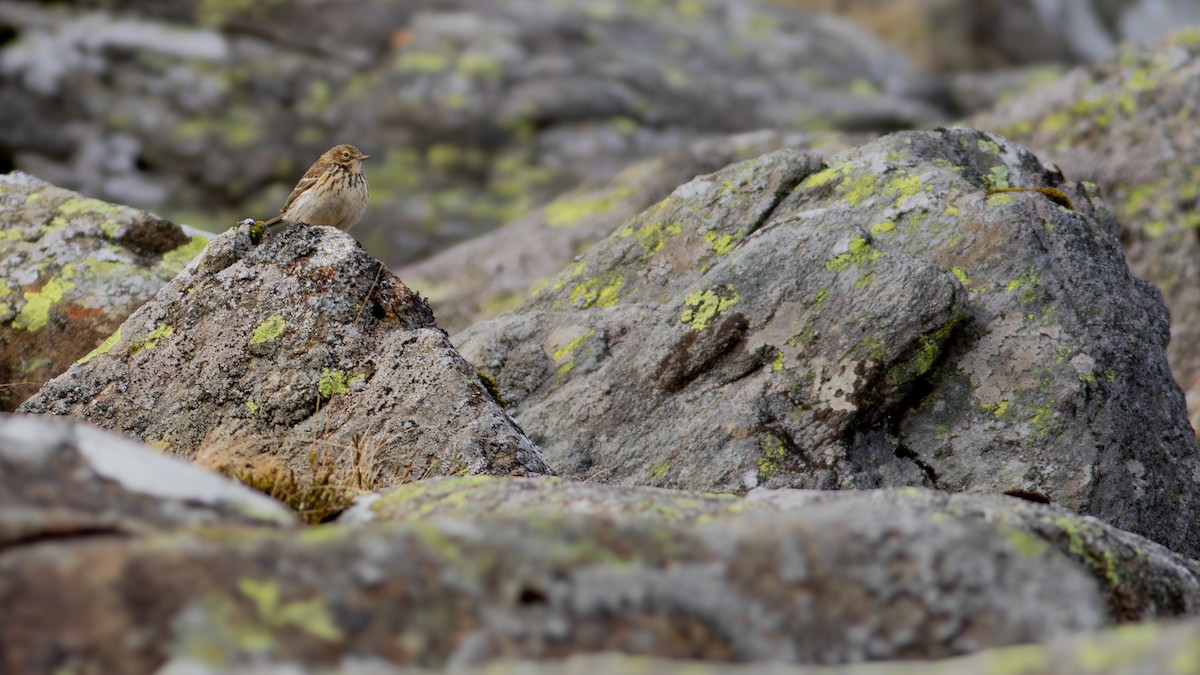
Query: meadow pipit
[{"x": 332, "y": 192}]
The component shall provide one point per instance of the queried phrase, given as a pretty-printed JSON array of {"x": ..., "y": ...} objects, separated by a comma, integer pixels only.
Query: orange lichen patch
[{"x": 79, "y": 312}]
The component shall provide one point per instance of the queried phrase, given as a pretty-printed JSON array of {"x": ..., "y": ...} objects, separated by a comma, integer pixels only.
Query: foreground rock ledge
[
  {"x": 1164, "y": 647},
  {"x": 830, "y": 583},
  {"x": 304, "y": 346},
  {"x": 64, "y": 480},
  {"x": 880, "y": 319}
]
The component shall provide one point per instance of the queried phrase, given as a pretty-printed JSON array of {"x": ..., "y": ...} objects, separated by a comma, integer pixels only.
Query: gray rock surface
[
  {"x": 1139, "y": 580},
  {"x": 71, "y": 270},
  {"x": 301, "y": 346},
  {"x": 832, "y": 582},
  {"x": 473, "y": 114},
  {"x": 493, "y": 272},
  {"x": 1127, "y": 126},
  {"x": 62, "y": 479},
  {"x": 881, "y": 321},
  {"x": 1166, "y": 647}
]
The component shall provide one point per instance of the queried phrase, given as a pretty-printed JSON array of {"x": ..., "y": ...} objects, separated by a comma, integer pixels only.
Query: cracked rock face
[
  {"x": 303, "y": 346},
  {"x": 1123, "y": 126},
  {"x": 877, "y": 321},
  {"x": 71, "y": 270}
]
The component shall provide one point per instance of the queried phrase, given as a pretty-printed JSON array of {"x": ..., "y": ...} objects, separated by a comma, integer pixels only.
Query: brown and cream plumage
[{"x": 332, "y": 192}]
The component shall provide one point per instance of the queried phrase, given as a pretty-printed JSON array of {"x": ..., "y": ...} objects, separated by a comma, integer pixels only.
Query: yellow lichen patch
[
  {"x": 882, "y": 228},
  {"x": 77, "y": 205},
  {"x": 332, "y": 382},
  {"x": 151, "y": 341},
  {"x": 598, "y": 292},
  {"x": 36, "y": 312},
  {"x": 104, "y": 348},
  {"x": 961, "y": 274},
  {"x": 309, "y": 616},
  {"x": 768, "y": 462},
  {"x": 268, "y": 330},
  {"x": 571, "y": 346},
  {"x": 567, "y": 211},
  {"x": 423, "y": 62},
  {"x": 998, "y": 177},
  {"x": 652, "y": 236},
  {"x": 1027, "y": 285},
  {"x": 175, "y": 260},
  {"x": 861, "y": 252},
  {"x": 826, "y": 176},
  {"x": 701, "y": 307},
  {"x": 721, "y": 244}
]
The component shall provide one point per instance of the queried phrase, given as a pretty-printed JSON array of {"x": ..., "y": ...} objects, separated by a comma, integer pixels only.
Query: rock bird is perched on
[{"x": 332, "y": 192}]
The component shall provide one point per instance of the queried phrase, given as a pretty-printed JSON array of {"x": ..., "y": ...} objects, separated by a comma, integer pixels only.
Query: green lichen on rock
[
  {"x": 568, "y": 210},
  {"x": 597, "y": 292},
  {"x": 659, "y": 472},
  {"x": 175, "y": 260},
  {"x": 1026, "y": 285},
  {"x": 700, "y": 307},
  {"x": 104, "y": 347},
  {"x": 772, "y": 452},
  {"x": 861, "y": 252},
  {"x": 151, "y": 340},
  {"x": 309, "y": 616},
  {"x": 721, "y": 244},
  {"x": 36, "y": 312},
  {"x": 332, "y": 383},
  {"x": 270, "y": 329}
]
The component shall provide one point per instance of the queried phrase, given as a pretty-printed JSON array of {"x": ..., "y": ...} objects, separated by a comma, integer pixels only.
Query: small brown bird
[{"x": 332, "y": 192}]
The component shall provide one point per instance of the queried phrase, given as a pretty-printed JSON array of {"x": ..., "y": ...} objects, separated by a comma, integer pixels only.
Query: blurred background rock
[{"x": 206, "y": 111}]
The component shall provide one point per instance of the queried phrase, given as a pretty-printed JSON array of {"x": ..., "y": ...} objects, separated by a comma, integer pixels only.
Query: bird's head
[{"x": 346, "y": 155}]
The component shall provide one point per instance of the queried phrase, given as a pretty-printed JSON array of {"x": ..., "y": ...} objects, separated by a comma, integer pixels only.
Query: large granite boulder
[
  {"x": 486, "y": 275},
  {"x": 792, "y": 577},
  {"x": 885, "y": 319},
  {"x": 1162, "y": 647},
  {"x": 71, "y": 270},
  {"x": 1128, "y": 126},
  {"x": 302, "y": 346},
  {"x": 473, "y": 113}
]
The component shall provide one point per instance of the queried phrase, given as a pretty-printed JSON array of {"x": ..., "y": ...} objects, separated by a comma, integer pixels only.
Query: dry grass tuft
[{"x": 318, "y": 492}]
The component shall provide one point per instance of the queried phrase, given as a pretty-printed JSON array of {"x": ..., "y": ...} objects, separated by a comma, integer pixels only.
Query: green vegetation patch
[
  {"x": 861, "y": 252},
  {"x": 567, "y": 211},
  {"x": 36, "y": 312},
  {"x": 104, "y": 347},
  {"x": 175, "y": 260},
  {"x": 149, "y": 342},
  {"x": 332, "y": 382},
  {"x": 772, "y": 451},
  {"x": 270, "y": 329},
  {"x": 598, "y": 292},
  {"x": 701, "y": 307}
]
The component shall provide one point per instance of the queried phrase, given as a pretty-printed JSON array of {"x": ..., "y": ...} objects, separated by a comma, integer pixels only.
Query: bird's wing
[{"x": 306, "y": 181}]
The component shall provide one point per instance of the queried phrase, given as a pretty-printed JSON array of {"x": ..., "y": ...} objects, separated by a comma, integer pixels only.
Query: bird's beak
[{"x": 362, "y": 157}]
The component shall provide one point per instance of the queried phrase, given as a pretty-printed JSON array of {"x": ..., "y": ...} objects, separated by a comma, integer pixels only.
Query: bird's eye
[{"x": 345, "y": 154}]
